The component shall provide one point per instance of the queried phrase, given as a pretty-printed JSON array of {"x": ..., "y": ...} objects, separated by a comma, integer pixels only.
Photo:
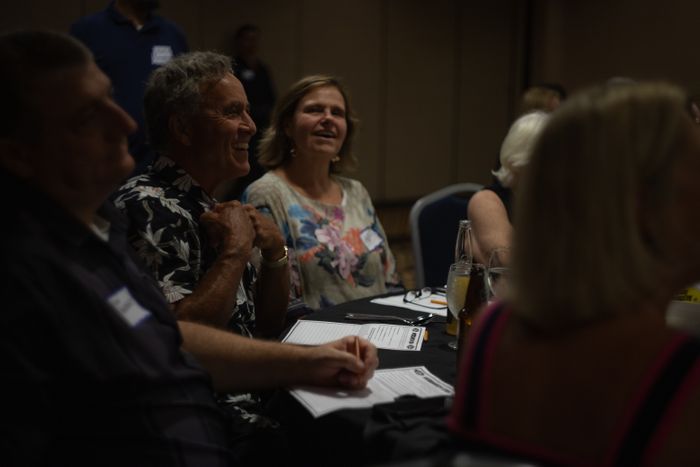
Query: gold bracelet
[{"x": 278, "y": 263}]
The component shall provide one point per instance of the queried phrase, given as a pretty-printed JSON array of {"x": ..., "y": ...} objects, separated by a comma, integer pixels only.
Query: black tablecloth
[
  {"x": 357, "y": 437},
  {"x": 435, "y": 354}
]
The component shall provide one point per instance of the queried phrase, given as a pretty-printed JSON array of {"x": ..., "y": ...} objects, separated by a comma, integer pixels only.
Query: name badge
[
  {"x": 127, "y": 307},
  {"x": 371, "y": 239},
  {"x": 161, "y": 54},
  {"x": 247, "y": 75}
]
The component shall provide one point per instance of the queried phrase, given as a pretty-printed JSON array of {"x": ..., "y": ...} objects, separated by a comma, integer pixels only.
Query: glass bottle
[
  {"x": 475, "y": 299},
  {"x": 463, "y": 254},
  {"x": 463, "y": 244}
]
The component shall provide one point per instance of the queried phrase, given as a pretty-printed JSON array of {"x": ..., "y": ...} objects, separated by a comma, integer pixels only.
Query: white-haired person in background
[{"x": 491, "y": 209}]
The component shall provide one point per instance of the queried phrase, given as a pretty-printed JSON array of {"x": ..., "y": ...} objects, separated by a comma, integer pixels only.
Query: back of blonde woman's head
[
  {"x": 517, "y": 147},
  {"x": 584, "y": 249}
]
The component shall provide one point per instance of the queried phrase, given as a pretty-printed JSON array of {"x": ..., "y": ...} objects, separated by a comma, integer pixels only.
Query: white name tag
[
  {"x": 161, "y": 54},
  {"x": 124, "y": 304},
  {"x": 371, "y": 239},
  {"x": 247, "y": 75}
]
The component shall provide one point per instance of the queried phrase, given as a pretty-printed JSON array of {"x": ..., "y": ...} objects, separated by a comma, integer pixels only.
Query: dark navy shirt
[
  {"x": 92, "y": 367},
  {"x": 128, "y": 56}
]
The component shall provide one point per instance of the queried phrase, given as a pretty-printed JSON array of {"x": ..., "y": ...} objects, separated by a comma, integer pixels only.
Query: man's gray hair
[{"x": 176, "y": 89}]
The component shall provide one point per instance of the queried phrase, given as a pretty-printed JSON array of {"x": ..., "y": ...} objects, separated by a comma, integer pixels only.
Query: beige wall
[
  {"x": 430, "y": 81},
  {"x": 434, "y": 83},
  {"x": 584, "y": 42}
]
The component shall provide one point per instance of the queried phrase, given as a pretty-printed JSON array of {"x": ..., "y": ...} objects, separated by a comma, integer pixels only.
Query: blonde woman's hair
[
  {"x": 275, "y": 146},
  {"x": 585, "y": 247},
  {"x": 517, "y": 146}
]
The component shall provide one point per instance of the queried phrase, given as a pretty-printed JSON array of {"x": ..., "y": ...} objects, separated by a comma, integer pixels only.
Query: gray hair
[
  {"x": 517, "y": 146},
  {"x": 593, "y": 231},
  {"x": 176, "y": 89}
]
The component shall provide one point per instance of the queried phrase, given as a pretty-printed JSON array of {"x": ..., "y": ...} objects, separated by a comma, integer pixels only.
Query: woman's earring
[
  {"x": 292, "y": 152},
  {"x": 336, "y": 159}
]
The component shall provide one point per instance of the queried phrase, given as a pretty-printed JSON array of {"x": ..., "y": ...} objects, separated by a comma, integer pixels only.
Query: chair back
[{"x": 434, "y": 221}]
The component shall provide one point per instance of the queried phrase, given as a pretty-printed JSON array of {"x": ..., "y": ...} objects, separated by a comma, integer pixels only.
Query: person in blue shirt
[{"x": 128, "y": 42}]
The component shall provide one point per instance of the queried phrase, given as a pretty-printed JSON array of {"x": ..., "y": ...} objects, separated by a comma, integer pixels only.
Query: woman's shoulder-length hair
[
  {"x": 275, "y": 146},
  {"x": 591, "y": 212}
]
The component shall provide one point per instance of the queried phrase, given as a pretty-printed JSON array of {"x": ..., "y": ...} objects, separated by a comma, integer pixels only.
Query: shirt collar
[
  {"x": 169, "y": 171},
  {"x": 152, "y": 20}
]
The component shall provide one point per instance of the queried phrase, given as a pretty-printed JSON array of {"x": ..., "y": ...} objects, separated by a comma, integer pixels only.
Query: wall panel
[
  {"x": 344, "y": 38},
  {"x": 39, "y": 14},
  {"x": 488, "y": 65},
  {"x": 420, "y": 105},
  {"x": 597, "y": 39}
]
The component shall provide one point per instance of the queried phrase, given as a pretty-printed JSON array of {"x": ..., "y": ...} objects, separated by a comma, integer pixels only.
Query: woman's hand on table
[{"x": 336, "y": 363}]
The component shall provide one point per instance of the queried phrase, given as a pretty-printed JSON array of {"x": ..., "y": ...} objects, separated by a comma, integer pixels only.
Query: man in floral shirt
[
  {"x": 96, "y": 370},
  {"x": 198, "y": 250}
]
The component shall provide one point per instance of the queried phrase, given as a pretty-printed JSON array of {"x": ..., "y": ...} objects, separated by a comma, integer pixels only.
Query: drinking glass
[
  {"x": 497, "y": 272},
  {"x": 457, "y": 285},
  {"x": 463, "y": 255}
]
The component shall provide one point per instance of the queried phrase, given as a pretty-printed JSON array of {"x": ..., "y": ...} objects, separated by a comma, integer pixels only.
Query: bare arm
[
  {"x": 237, "y": 363},
  {"x": 272, "y": 293},
  {"x": 490, "y": 224},
  {"x": 213, "y": 299}
]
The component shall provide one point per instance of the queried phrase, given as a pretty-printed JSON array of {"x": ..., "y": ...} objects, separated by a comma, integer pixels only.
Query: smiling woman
[{"x": 338, "y": 248}]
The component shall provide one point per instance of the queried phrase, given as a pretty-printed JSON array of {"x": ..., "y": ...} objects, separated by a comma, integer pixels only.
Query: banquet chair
[{"x": 434, "y": 221}]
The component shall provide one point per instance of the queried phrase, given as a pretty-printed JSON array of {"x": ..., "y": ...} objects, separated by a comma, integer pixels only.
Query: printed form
[
  {"x": 385, "y": 386},
  {"x": 383, "y": 336}
]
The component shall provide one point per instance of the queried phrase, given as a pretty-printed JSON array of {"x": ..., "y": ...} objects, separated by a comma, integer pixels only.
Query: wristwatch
[{"x": 278, "y": 263}]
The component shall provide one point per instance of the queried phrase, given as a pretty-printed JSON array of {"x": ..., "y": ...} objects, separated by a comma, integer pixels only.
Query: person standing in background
[
  {"x": 257, "y": 83},
  {"x": 128, "y": 42}
]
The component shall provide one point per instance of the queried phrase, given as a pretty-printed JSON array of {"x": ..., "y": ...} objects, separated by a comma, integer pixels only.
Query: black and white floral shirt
[{"x": 164, "y": 206}]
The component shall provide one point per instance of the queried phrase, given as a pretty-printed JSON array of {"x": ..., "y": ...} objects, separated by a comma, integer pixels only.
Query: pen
[
  {"x": 357, "y": 347},
  {"x": 437, "y": 301}
]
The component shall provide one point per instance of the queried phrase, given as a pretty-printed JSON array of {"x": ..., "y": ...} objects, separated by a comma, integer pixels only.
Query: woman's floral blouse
[{"x": 337, "y": 253}]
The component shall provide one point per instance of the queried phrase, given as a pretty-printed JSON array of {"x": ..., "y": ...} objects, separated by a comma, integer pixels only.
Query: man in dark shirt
[
  {"x": 128, "y": 42},
  {"x": 95, "y": 369}
]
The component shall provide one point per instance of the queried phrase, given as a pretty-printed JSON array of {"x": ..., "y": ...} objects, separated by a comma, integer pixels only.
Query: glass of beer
[{"x": 457, "y": 285}]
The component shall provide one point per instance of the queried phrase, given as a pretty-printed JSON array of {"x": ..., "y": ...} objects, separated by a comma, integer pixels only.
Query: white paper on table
[
  {"x": 684, "y": 316},
  {"x": 385, "y": 386},
  {"x": 420, "y": 304},
  {"x": 383, "y": 336}
]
